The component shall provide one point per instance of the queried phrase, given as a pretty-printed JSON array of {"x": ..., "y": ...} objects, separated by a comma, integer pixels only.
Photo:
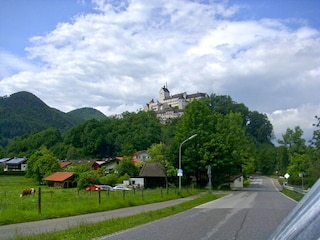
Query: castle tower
[{"x": 163, "y": 94}]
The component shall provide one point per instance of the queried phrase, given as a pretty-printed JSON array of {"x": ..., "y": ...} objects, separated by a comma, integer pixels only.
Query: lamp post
[{"x": 180, "y": 170}]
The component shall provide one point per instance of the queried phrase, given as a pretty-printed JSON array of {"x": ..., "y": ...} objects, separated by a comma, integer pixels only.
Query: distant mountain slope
[
  {"x": 23, "y": 112},
  {"x": 86, "y": 114}
]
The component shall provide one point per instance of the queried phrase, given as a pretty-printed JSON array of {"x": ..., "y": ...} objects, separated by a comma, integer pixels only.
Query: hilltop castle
[{"x": 171, "y": 106}]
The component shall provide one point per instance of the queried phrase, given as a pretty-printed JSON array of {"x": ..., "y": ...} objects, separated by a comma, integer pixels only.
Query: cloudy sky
[{"x": 116, "y": 55}]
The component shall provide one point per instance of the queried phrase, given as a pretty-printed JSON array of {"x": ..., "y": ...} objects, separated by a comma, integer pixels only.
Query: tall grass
[{"x": 68, "y": 202}]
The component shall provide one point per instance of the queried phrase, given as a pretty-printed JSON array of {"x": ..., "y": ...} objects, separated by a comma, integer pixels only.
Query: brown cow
[{"x": 28, "y": 191}]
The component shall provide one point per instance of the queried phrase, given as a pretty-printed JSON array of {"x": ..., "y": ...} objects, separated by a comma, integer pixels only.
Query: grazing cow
[{"x": 28, "y": 191}]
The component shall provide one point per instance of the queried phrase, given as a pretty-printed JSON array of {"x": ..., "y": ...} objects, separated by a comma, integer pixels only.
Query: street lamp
[{"x": 180, "y": 170}]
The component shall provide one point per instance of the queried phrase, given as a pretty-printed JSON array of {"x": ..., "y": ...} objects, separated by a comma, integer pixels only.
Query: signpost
[
  {"x": 286, "y": 176},
  {"x": 301, "y": 175},
  {"x": 209, "y": 177}
]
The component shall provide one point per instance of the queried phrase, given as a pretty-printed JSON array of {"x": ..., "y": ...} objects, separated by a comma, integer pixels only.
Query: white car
[{"x": 119, "y": 188}]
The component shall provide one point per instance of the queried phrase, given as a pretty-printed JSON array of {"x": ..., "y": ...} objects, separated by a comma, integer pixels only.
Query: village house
[
  {"x": 109, "y": 164},
  {"x": 3, "y": 161},
  {"x": 141, "y": 155},
  {"x": 64, "y": 164},
  {"x": 98, "y": 164},
  {"x": 16, "y": 164}
]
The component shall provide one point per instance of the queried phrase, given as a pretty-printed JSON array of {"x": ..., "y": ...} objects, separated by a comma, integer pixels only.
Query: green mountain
[
  {"x": 86, "y": 114},
  {"x": 23, "y": 112}
]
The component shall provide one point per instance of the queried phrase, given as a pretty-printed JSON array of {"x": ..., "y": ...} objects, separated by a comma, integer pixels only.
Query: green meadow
[{"x": 57, "y": 203}]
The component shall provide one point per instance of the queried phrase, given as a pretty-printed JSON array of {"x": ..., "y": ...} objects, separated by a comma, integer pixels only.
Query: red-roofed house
[
  {"x": 135, "y": 160},
  {"x": 61, "y": 180},
  {"x": 65, "y": 164}
]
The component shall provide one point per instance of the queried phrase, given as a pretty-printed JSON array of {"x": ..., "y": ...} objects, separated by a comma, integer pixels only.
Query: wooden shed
[
  {"x": 236, "y": 182},
  {"x": 61, "y": 180},
  {"x": 154, "y": 175}
]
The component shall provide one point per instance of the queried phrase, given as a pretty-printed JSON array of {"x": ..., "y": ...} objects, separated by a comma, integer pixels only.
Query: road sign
[
  {"x": 287, "y": 175},
  {"x": 180, "y": 173}
]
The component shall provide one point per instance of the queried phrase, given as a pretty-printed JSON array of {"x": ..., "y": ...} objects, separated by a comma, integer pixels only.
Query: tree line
[{"x": 230, "y": 138}]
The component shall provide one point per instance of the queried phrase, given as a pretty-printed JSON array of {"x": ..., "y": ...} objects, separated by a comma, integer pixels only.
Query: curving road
[{"x": 252, "y": 213}]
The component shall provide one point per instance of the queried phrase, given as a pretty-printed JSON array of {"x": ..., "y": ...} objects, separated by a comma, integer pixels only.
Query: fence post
[{"x": 39, "y": 201}]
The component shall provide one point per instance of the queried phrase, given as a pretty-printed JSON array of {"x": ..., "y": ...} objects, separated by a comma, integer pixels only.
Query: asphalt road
[{"x": 252, "y": 213}]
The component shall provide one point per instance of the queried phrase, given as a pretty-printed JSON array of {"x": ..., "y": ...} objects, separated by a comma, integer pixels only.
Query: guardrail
[{"x": 296, "y": 189}]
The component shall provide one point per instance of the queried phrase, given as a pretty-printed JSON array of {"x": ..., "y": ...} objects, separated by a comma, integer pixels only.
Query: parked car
[
  {"x": 95, "y": 187},
  {"x": 121, "y": 188},
  {"x": 106, "y": 187}
]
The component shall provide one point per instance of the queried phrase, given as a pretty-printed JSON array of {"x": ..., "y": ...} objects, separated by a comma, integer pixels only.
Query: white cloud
[
  {"x": 290, "y": 118},
  {"x": 117, "y": 59},
  {"x": 11, "y": 64}
]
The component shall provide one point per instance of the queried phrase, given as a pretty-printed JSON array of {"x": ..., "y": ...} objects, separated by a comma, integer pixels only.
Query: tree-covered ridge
[
  {"x": 23, "y": 112},
  {"x": 86, "y": 114},
  {"x": 115, "y": 136}
]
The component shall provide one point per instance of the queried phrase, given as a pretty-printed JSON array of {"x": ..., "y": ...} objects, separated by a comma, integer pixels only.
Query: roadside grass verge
[
  {"x": 95, "y": 230},
  {"x": 292, "y": 194},
  {"x": 57, "y": 203}
]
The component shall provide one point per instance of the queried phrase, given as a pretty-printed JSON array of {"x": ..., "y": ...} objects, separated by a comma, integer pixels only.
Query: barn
[
  {"x": 61, "y": 180},
  {"x": 154, "y": 175}
]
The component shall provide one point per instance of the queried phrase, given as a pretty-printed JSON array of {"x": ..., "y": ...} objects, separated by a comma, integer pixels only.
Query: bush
[
  {"x": 124, "y": 177},
  {"x": 87, "y": 178},
  {"x": 110, "y": 179}
]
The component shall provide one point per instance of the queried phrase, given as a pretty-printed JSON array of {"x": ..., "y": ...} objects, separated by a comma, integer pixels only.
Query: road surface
[{"x": 252, "y": 213}]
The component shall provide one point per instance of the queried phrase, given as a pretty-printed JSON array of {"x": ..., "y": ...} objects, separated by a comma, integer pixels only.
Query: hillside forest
[{"x": 230, "y": 138}]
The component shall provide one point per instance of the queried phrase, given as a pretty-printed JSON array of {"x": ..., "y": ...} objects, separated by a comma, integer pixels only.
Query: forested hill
[
  {"x": 86, "y": 113},
  {"x": 23, "y": 112}
]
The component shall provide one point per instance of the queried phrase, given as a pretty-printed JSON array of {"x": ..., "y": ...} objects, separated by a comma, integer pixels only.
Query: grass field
[
  {"x": 95, "y": 230},
  {"x": 67, "y": 202}
]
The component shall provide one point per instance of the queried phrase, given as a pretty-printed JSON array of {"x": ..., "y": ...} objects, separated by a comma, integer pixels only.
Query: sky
[{"x": 116, "y": 55}]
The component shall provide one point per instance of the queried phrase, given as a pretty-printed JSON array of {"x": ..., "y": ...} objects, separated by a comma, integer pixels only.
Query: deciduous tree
[{"x": 41, "y": 164}]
